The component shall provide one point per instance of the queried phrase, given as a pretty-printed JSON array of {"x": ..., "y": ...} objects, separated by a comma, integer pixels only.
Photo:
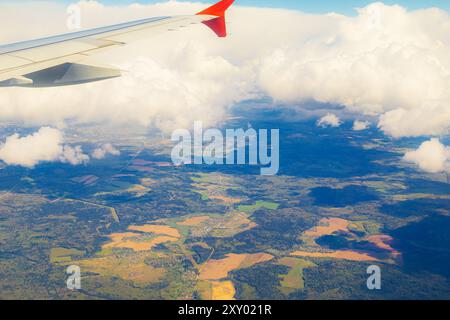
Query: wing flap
[{"x": 31, "y": 67}]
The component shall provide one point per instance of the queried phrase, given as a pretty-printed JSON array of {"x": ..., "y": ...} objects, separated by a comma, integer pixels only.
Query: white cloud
[
  {"x": 100, "y": 153},
  {"x": 432, "y": 119},
  {"x": 329, "y": 120},
  {"x": 44, "y": 145},
  {"x": 360, "y": 125},
  {"x": 73, "y": 155},
  {"x": 386, "y": 62},
  {"x": 432, "y": 156}
]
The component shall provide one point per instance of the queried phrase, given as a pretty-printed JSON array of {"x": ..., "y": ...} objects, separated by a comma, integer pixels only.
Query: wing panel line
[{"x": 19, "y": 46}]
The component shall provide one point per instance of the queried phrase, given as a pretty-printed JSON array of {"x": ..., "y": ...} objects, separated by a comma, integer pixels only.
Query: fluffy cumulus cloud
[
  {"x": 329, "y": 120},
  {"x": 73, "y": 155},
  {"x": 42, "y": 146},
  {"x": 360, "y": 125},
  {"x": 432, "y": 156},
  {"x": 104, "y": 150},
  {"x": 385, "y": 62}
]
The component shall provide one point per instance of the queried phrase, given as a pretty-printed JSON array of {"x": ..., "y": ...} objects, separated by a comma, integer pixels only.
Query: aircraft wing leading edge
[{"x": 57, "y": 60}]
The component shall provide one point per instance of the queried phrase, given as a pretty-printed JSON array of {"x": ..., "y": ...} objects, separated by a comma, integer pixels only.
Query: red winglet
[{"x": 218, "y": 25}]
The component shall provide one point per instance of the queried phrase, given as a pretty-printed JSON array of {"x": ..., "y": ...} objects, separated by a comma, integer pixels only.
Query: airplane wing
[{"x": 55, "y": 61}]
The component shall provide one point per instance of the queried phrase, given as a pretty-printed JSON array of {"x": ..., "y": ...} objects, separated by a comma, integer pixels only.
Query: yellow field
[
  {"x": 383, "y": 241},
  {"x": 225, "y": 199},
  {"x": 130, "y": 265},
  {"x": 138, "y": 189},
  {"x": 120, "y": 238},
  {"x": 132, "y": 241},
  {"x": 204, "y": 288},
  {"x": 63, "y": 254},
  {"x": 222, "y": 290},
  {"x": 328, "y": 226},
  {"x": 339, "y": 254},
  {"x": 162, "y": 239},
  {"x": 194, "y": 221},
  {"x": 219, "y": 269},
  {"x": 147, "y": 182},
  {"x": 217, "y": 226},
  {"x": 216, "y": 290},
  {"x": 405, "y": 197},
  {"x": 150, "y": 228},
  {"x": 293, "y": 280},
  {"x": 135, "y": 270}
]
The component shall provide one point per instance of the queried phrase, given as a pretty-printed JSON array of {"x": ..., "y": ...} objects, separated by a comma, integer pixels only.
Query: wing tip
[
  {"x": 218, "y": 25},
  {"x": 217, "y": 9}
]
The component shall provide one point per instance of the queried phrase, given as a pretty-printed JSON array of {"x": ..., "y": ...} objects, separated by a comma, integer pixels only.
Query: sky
[{"x": 318, "y": 6}]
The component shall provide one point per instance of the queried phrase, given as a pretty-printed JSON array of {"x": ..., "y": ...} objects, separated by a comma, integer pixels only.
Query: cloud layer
[
  {"x": 432, "y": 156},
  {"x": 44, "y": 145},
  {"x": 329, "y": 120},
  {"x": 104, "y": 150},
  {"x": 360, "y": 125},
  {"x": 386, "y": 62}
]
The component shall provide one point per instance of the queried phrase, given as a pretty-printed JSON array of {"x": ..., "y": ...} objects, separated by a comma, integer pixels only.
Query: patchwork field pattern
[{"x": 142, "y": 228}]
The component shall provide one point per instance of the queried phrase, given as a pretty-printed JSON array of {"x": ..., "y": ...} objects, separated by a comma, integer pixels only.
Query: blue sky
[{"x": 318, "y": 6}]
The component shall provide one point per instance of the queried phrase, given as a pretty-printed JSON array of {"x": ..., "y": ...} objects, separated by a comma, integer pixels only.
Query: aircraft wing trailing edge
[{"x": 58, "y": 60}]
